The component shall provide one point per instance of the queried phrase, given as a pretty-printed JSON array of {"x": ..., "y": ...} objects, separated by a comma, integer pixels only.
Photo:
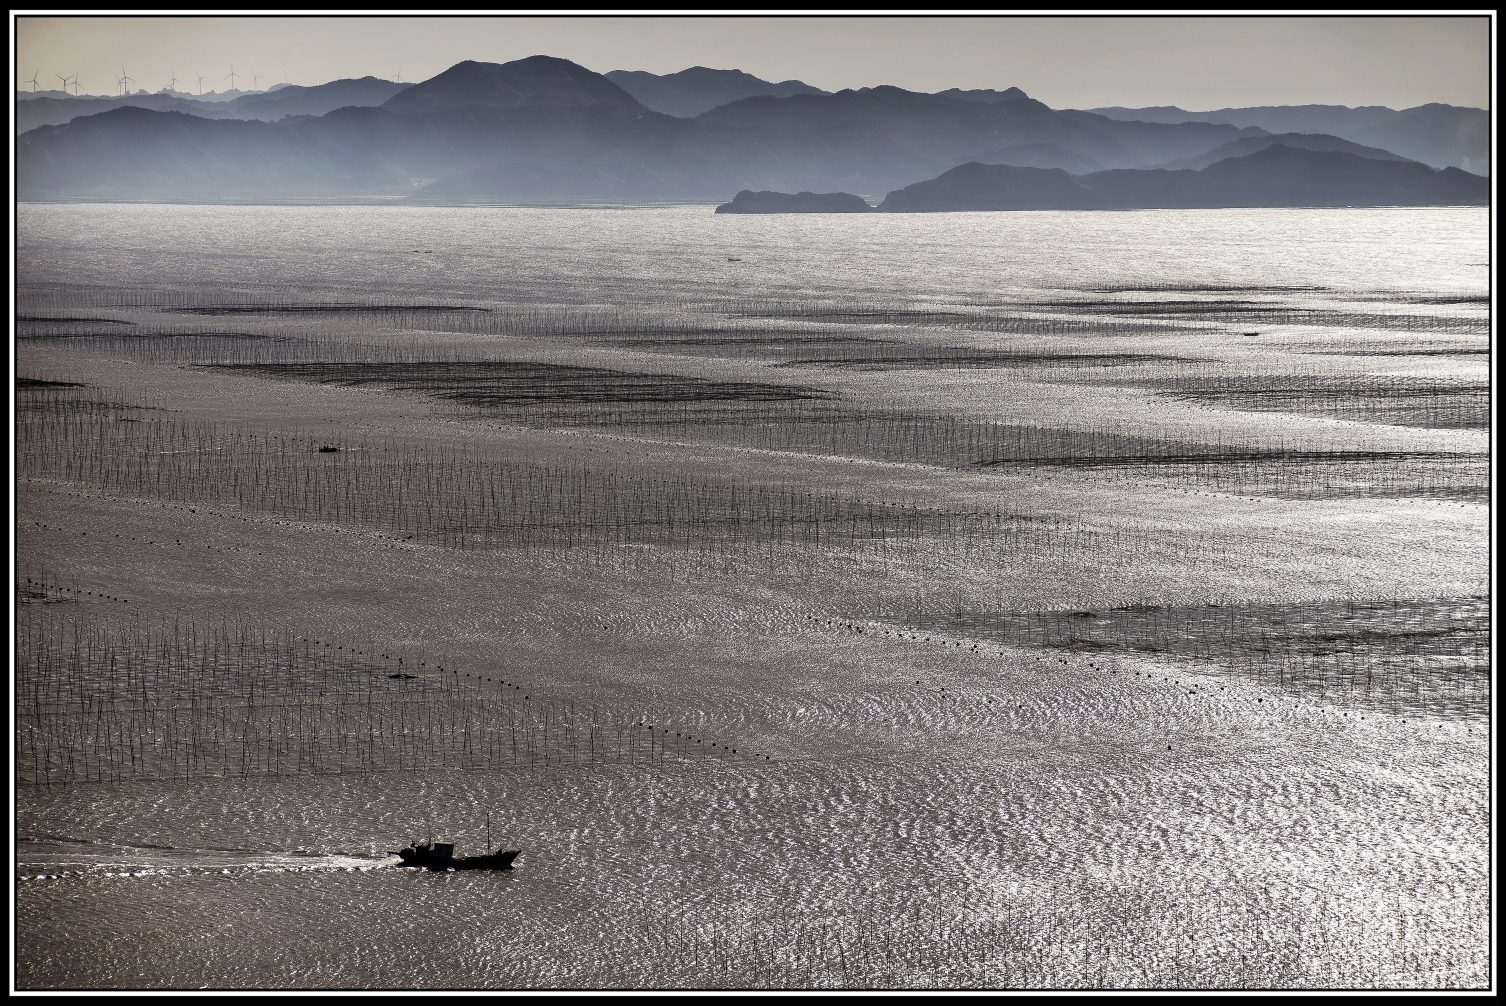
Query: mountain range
[
  {"x": 685, "y": 94},
  {"x": 1275, "y": 175},
  {"x": 545, "y": 129},
  {"x": 700, "y": 89},
  {"x": 53, "y": 109},
  {"x": 1442, "y": 136}
]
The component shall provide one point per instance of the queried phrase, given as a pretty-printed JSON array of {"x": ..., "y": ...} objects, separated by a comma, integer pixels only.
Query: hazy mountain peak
[
  {"x": 1276, "y": 175},
  {"x": 699, "y": 89},
  {"x": 984, "y": 94},
  {"x": 297, "y": 99},
  {"x": 1436, "y": 134},
  {"x": 1303, "y": 141},
  {"x": 536, "y": 81}
]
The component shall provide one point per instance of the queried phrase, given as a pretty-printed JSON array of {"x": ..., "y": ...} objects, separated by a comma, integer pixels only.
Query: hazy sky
[{"x": 1196, "y": 63}]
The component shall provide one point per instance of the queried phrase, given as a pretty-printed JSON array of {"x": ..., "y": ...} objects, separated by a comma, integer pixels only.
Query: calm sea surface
[
  {"x": 640, "y": 255},
  {"x": 1056, "y": 848}
]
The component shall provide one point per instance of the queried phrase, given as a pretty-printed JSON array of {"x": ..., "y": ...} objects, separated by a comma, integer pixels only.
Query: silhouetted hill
[
  {"x": 173, "y": 156},
  {"x": 1437, "y": 135},
  {"x": 748, "y": 201},
  {"x": 1282, "y": 176},
  {"x": 286, "y": 99},
  {"x": 1142, "y": 141},
  {"x": 1276, "y": 176},
  {"x": 888, "y": 124},
  {"x": 1332, "y": 119},
  {"x": 536, "y": 81},
  {"x": 294, "y": 99},
  {"x": 48, "y": 110},
  {"x": 1440, "y": 135},
  {"x": 983, "y": 94},
  {"x": 975, "y": 186},
  {"x": 699, "y": 89},
  {"x": 1300, "y": 141}
]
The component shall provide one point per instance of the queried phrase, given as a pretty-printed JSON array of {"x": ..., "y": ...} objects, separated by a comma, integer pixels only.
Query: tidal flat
[{"x": 975, "y": 600}]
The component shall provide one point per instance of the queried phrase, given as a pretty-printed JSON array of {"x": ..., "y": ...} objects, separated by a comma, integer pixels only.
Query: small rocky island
[{"x": 748, "y": 201}]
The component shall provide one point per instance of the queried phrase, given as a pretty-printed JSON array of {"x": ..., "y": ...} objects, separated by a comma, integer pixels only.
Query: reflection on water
[
  {"x": 1092, "y": 800},
  {"x": 1032, "y": 864}
]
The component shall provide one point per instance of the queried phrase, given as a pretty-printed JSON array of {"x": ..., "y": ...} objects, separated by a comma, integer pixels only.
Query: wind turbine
[
  {"x": 399, "y": 76},
  {"x": 32, "y": 81},
  {"x": 75, "y": 84},
  {"x": 201, "y": 82},
  {"x": 231, "y": 76},
  {"x": 125, "y": 81},
  {"x": 254, "y": 78},
  {"x": 59, "y": 76},
  {"x": 172, "y": 85}
]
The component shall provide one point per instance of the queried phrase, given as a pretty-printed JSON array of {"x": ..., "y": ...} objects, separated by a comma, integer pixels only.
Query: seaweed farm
[
  {"x": 997, "y": 600},
  {"x": 217, "y": 702}
]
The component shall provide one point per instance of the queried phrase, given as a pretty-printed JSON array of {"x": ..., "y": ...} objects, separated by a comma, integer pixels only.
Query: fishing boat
[{"x": 441, "y": 856}]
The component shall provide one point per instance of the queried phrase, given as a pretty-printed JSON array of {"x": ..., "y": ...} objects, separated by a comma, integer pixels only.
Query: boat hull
[
  {"x": 496, "y": 861},
  {"x": 424, "y": 858}
]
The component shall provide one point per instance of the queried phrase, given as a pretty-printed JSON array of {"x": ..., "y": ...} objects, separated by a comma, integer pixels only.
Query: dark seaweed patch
[
  {"x": 132, "y": 339},
  {"x": 1441, "y": 299},
  {"x": 832, "y": 428},
  {"x": 327, "y": 309},
  {"x": 1427, "y": 404},
  {"x": 70, "y": 321},
  {"x": 1236, "y": 311},
  {"x": 495, "y": 384},
  {"x": 752, "y": 341},
  {"x": 1008, "y": 322},
  {"x": 1201, "y": 454},
  {"x": 1206, "y": 288},
  {"x": 965, "y": 358},
  {"x": 1284, "y": 472},
  {"x": 1403, "y": 351},
  {"x": 30, "y": 383},
  {"x": 1065, "y": 316},
  {"x": 1428, "y": 656}
]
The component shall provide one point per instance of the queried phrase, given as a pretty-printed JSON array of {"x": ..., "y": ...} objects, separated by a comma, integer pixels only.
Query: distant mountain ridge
[
  {"x": 1435, "y": 134},
  {"x": 295, "y": 99},
  {"x": 288, "y": 99},
  {"x": 55, "y": 111},
  {"x": 700, "y": 89},
  {"x": 544, "y": 129},
  {"x": 535, "y": 81},
  {"x": 924, "y": 127},
  {"x": 1302, "y": 141},
  {"x": 1275, "y": 176},
  {"x": 984, "y": 94}
]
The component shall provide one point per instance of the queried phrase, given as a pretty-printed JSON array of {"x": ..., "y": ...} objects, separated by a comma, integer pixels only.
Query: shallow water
[
  {"x": 642, "y": 254},
  {"x": 966, "y": 793},
  {"x": 1022, "y": 847}
]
